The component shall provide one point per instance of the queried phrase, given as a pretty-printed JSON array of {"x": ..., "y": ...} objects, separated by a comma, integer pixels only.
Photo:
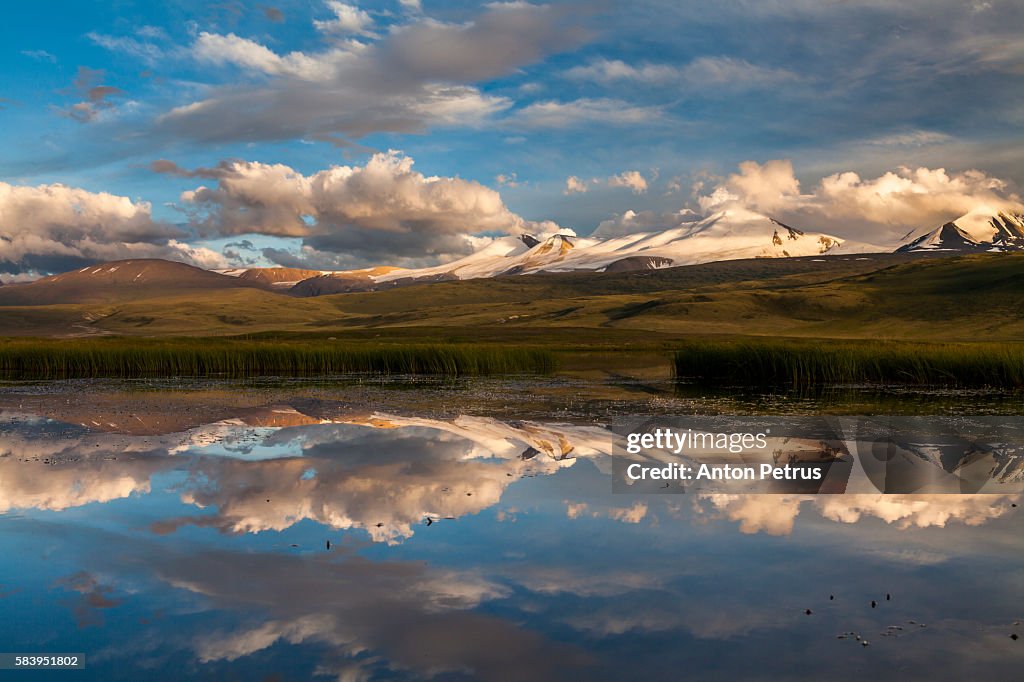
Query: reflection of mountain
[
  {"x": 273, "y": 467},
  {"x": 270, "y": 468}
]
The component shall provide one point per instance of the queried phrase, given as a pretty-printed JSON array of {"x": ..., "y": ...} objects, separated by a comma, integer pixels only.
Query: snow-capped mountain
[
  {"x": 975, "y": 232},
  {"x": 948, "y": 237},
  {"x": 726, "y": 235}
]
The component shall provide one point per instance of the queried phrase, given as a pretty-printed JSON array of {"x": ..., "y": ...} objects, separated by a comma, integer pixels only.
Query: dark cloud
[
  {"x": 87, "y": 84},
  {"x": 273, "y": 14}
]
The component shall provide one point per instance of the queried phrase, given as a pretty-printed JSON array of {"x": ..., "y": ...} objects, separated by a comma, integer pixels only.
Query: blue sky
[{"x": 512, "y": 97}]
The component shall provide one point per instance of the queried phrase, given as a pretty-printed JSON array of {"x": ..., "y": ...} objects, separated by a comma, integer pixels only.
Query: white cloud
[
  {"x": 384, "y": 210},
  {"x": 419, "y": 74},
  {"x": 213, "y": 48},
  {"x": 728, "y": 72},
  {"x": 347, "y": 19},
  {"x": 552, "y": 114},
  {"x": 574, "y": 185},
  {"x": 145, "y": 51},
  {"x": 719, "y": 72},
  {"x": 911, "y": 138},
  {"x": 636, "y": 182},
  {"x": 872, "y": 209},
  {"x": 55, "y": 227},
  {"x": 609, "y": 70},
  {"x": 40, "y": 55}
]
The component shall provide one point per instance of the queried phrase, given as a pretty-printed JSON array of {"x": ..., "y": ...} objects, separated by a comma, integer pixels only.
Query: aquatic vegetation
[
  {"x": 127, "y": 358},
  {"x": 803, "y": 363}
]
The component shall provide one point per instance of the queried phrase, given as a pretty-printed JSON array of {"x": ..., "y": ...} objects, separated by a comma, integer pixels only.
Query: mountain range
[{"x": 731, "y": 235}]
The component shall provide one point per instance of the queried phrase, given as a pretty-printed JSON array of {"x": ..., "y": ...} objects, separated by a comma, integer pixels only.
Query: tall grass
[
  {"x": 128, "y": 358},
  {"x": 825, "y": 362}
]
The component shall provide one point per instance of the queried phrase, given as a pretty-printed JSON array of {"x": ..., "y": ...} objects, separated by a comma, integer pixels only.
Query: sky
[{"x": 337, "y": 135}]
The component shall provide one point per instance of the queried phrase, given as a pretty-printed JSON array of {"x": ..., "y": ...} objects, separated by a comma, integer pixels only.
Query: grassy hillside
[{"x": 964, "y": 299}]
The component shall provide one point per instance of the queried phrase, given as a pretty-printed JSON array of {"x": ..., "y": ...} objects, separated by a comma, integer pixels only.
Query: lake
[{"x": 399, "y": 528}]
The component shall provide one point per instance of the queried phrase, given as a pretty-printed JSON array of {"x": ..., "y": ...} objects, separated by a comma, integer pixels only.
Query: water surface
[{"x": 453, "y": 530}]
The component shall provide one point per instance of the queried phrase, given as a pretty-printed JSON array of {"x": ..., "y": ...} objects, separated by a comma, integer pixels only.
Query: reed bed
[
  {"x": 804, "y": 364},
  {"x": 133, "y": 358}
]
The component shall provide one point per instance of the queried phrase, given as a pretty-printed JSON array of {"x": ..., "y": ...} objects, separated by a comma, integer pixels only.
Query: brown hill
[
  {"x": 277, "y": 277},
  {"x": 125, "y": 280}
]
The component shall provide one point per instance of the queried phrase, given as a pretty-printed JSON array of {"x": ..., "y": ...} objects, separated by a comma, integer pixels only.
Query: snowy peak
[
  {"x": 1009, "y": 229},
  {"x": 949, "y": 237},
  {"x": 1004, "y": 232},
  {"x": 726, "y": 235}
]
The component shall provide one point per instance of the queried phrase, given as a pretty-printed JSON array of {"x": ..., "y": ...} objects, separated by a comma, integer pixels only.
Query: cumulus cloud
[
  {"x": 383, "y": 211},
  {"x": 574, "y": 185},
  {"x": 630, "y": 179},
  {"x": 53, "y": 228},
  {"x": 872, "y": 209},
  {"x": 419, "y": 74},
  {"x": 347, "y": 19}
]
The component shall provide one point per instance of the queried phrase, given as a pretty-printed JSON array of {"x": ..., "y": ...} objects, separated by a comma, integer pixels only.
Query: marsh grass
[
  {"x": 825, "y": 362},
  {"x": 132, "y": 358}
]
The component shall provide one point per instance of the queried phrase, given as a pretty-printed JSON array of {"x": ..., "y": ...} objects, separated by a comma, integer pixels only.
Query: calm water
[{"x": 181, "y": 532}]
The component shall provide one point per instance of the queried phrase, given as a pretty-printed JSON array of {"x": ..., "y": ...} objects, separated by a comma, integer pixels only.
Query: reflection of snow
[{"x": 384, "y": 473}]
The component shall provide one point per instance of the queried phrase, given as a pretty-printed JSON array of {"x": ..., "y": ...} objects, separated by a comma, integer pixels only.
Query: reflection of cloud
[
  {"x": 634, "y": 514},
  {"x": 265, "y": 477},
  {"x": 363, "y": 479},
  {"x": 94, "y": 597},
  {"x": 39, "y": 473},
  {"x": 397, "y": 616},
  {"x": 775, "y": 514}
]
